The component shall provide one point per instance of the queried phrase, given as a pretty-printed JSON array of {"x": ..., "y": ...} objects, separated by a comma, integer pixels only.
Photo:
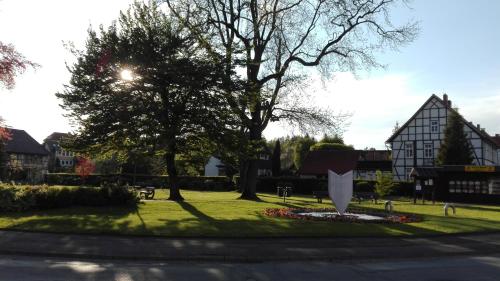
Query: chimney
[
  {"x": 446, "y": 101},
  {"x": 478, "y": 127}
]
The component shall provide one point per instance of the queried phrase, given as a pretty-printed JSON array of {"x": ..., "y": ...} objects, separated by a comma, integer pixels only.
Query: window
[
  {"x": 434, "y": 126},
  {"x": 428, "y": 151},
  {"x": 409, "y": 149},
  {"x": 408, "y": 172}
]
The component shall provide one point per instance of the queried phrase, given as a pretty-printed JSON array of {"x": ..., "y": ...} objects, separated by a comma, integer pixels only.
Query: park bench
[{"x": 147, "y": 192}]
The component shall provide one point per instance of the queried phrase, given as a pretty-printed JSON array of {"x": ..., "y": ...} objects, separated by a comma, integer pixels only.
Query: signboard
[{"x": 479, "y": 169}]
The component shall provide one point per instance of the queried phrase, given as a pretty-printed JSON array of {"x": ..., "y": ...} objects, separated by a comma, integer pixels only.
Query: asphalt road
[
  {"x": 244, "y": 250},
  {"x": 473, "y": 268}
]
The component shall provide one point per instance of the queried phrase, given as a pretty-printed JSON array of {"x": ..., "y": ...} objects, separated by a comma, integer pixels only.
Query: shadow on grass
[{"x": 132, "y": 221}]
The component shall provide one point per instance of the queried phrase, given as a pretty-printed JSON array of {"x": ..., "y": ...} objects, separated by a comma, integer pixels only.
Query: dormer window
[{"x": 434, "y": 126}]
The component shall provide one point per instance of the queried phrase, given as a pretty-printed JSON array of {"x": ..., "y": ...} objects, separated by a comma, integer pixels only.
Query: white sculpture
[{"x": 340, "y": 190}]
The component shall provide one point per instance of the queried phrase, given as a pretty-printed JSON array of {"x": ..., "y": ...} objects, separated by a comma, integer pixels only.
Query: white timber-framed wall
[{"x": 417, "y": 142}]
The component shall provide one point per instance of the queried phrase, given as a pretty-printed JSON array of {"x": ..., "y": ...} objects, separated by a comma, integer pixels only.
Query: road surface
[{"x": 457, "y": 268}]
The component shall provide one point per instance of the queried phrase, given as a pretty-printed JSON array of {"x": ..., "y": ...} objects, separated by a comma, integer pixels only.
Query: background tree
[
  {"x": 384, "y": 183},
  {"x": 301, "y": 149},
  {"x": 455, "y": 149},
  {"x": 335, "y": 142},
  {"x": 143, "y": 84},
  {"x": 276, "y": 159},
  {"x": 336, "y": 138},
  {"x": 12, "y": 63},
  {"x": 84, "y": 168},
  {"x": 274, "y": 41}
]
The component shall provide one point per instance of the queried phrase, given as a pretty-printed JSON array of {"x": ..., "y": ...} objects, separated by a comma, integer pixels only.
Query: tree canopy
[
  {"x": 12, "y": 63},
  {"x": 144, "y": 84},
  {"x": 273, "y": 42}
]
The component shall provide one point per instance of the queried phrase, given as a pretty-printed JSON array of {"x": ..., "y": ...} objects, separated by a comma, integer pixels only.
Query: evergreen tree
[
  {"x": 144, "y": 84},
  {"x": 455, "y": 149},
  {"x": 276, "y": 160}
]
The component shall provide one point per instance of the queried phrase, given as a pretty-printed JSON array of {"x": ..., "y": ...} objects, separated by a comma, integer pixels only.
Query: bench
[
  {"x": 319, "y": 195},
  {"x": 360, "y": 196},
  {"x": 147, "y": 193}
]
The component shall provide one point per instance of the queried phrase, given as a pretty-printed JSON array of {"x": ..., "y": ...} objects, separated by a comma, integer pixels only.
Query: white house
[
  {"x": 417, "y": 142},
  {"x": 214, "y": 167}
]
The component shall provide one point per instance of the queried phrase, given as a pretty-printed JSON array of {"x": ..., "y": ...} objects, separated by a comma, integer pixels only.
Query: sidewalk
[{"x": 243, "y": 250}]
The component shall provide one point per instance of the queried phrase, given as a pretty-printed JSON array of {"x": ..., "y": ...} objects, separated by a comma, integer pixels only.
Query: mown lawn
[{"x": 220, "y": 214}]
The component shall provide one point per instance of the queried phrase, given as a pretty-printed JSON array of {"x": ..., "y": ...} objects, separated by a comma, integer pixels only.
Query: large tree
[
  {"x": 272, "y": 42},
  {"x": 12, "y": 63},
  {"x": 455, "y": 149},
  {"x": 144, "y": 85}
]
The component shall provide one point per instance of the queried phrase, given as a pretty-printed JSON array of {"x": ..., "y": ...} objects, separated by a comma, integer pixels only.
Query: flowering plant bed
[{"x": 355, "y": 215}]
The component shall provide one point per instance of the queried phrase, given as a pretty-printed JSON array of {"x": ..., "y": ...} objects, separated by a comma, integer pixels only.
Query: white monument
[{"x": 340, "y": 190}]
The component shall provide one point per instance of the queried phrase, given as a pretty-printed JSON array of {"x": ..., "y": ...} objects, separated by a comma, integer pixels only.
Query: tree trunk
[
  {"x": 251, "y": 167},
  {"x": 175, "y": 194},
  {"x": 250, "y": 183}
]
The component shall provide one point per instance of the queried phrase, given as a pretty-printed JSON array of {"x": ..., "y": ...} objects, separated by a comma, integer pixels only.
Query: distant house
[
  {"x": 27, "y": 159},
  {"x": 59, "y": 158},
  {"x": 318, "y": 162},
  {"x": 364, "y": 163},
  {"x": 215, "y": 167},
  {"x": 371, "y": 161},
  {"x": 417, "y": 142}
]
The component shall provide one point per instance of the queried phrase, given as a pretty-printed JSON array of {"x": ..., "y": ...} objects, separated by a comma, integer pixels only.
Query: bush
[
  {"x": 384, "y": 184},
  {"x": 185, "y": 182},
  {"x": 20, "y": 198},
  {"x": 364, "y": 186},
  {"x": 330, "y": 146}
]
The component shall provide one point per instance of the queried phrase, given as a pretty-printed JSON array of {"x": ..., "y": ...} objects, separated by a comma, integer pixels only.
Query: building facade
[
  {"x": 417, "y": 142},
  {"x": 60, "y": 160},
  {"x": 27, "y": 160}
]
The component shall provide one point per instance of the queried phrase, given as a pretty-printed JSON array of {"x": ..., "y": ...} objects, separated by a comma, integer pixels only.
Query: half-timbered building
[
  {"x": 27, "y": 160},
  {"x": 416, "y": 143}
]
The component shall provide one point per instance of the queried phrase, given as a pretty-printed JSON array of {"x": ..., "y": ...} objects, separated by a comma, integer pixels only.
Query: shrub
[
  {"x": 384, "y": 184},
  {"x": 330, "y": 146},
  {"x": 363, "y": 186},
  {"x": 185, "y": 182},
  {"x": 20, "y": 198}
]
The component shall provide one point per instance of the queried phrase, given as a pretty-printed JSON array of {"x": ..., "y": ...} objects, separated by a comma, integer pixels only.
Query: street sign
[{"x": 479, "y": 169}]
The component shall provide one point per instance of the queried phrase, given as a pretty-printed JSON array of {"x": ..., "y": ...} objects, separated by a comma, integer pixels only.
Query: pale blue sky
[{"x": 456, "y": 52}]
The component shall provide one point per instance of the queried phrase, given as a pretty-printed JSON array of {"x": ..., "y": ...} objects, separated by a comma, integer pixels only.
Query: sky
[{"x": 456, "y": 53}]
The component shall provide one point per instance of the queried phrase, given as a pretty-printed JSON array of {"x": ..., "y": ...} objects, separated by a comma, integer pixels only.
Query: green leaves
[{"x": 455, "y": 149}]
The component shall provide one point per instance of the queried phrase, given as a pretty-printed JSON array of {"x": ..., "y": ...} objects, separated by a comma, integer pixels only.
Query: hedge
[
  {"x": 307, "y": 185},
  {"x": 25, "y": 197},
  {"x": 185, "y": 182}
]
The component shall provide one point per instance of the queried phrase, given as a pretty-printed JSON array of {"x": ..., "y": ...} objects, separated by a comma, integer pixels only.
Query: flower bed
[{"x": 297, "y": 213}]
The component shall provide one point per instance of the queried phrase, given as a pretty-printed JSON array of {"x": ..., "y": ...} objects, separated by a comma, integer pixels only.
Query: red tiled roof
[{"x": 339, "y": 161}]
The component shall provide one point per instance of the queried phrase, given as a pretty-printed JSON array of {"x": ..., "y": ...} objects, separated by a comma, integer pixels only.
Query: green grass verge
[{"x": 220, "y": 214}]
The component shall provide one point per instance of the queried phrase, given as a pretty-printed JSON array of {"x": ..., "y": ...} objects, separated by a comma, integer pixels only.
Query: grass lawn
[{"x": 221, "y": 214}]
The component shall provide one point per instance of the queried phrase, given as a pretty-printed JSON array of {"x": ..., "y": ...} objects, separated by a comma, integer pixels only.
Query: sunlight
[{"x": 127, "y": 75}]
